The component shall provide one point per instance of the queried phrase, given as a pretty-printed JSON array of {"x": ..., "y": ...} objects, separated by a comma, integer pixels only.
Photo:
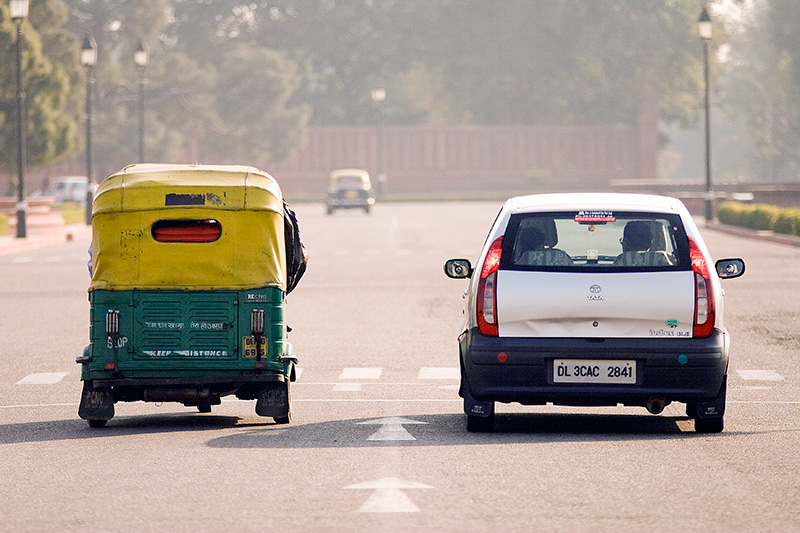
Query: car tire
[
  {"x": 97, "y": 423},
  {"x": 204, "y": 408},
  {"x": 709, "y": 425},
  {"x": 330, "y": 210},
  {"x": 480, "y": 424}
]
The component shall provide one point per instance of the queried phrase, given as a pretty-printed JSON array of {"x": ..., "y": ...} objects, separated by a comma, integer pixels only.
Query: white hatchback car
[{"x": 591, "y": 300}]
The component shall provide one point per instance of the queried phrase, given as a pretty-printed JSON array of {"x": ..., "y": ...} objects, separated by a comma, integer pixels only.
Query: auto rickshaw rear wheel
[{"x": 97, "y": 423}]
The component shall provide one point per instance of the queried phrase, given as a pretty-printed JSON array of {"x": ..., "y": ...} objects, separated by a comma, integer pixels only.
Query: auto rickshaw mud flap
[
  {"x": 274, "y": 400},
  {"x": 96, "y": 404}
]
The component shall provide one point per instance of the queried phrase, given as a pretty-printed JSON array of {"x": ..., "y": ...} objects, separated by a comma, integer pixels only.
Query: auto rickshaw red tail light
[
  {"x": 487, "y": 291},
  {"x": 704, "y": 311},
  {"x": 186, "y": 230}
]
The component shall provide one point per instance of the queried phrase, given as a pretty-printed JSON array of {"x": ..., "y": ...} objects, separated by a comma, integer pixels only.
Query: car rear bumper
[
  {"x": 683, "y": 370},
  {"x": 340, "y": 201}
]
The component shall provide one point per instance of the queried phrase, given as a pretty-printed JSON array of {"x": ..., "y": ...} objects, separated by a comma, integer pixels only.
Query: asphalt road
[{"x": 378, "y": 441}]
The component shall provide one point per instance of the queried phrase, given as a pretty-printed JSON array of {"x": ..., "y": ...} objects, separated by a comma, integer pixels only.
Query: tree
[
  {"x": 51, "y": 115},
  {"x": 762, "y": 85}
]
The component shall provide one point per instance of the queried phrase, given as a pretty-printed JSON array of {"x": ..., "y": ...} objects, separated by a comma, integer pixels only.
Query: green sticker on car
[{"x": 672, "y": 322}]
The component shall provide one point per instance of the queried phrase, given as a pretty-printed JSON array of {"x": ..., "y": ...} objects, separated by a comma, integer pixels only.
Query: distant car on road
[
  {"x": 69, "y": 189},
  {"x": 349, "y": 188},
  {"x": 593, "y": 300}
]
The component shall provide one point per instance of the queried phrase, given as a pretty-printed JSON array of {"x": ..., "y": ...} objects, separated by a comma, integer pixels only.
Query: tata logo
[{"x": 595, "y": 295}]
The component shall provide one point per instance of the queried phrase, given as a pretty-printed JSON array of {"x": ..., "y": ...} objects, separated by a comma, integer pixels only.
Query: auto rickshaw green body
[{"x": 187, "y": 293}]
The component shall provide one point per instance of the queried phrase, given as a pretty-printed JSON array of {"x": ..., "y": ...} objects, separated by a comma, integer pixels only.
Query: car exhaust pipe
[{"x": 655, "y": 405}]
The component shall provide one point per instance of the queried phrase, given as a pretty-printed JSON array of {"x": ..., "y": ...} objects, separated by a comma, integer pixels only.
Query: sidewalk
[{"x": 43, "y": 237}]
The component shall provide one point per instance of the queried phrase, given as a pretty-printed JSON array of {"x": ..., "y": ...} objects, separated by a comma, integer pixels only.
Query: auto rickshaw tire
[
  {"x": 97, "y": 423},
  {"x": 204, "y": 408}
]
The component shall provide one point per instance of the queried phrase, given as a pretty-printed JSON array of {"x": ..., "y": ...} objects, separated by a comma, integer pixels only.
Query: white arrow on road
[
  {"x": 391, "y": 428},
  {"x": 388, "y": 496}
]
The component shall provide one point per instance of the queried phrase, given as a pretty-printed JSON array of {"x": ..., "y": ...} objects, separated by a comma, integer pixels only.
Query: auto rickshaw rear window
[{"x": 186, "y": 230}]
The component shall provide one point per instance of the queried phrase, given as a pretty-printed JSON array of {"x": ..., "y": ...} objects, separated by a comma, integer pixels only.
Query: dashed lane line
[{"x": 42, "y": 378}]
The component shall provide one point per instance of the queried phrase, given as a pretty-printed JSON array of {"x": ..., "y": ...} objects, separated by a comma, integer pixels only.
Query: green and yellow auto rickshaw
[{"x": 190, "y": 268}]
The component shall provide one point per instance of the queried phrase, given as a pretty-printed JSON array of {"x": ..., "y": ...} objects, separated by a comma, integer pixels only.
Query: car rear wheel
[
  {"x": 708, "y": 425},
  {"x": 480, "y": 424}
]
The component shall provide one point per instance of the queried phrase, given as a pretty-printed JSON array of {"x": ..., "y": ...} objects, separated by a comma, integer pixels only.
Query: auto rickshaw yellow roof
[
  {"x": 245, "y": 203},
  {"x": 163, "y": 186}
]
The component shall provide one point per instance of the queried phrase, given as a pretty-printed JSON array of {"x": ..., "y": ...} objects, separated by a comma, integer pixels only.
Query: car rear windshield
[
  {"x": 350, "y": 182},
  {"x": 595, "y": 241}
]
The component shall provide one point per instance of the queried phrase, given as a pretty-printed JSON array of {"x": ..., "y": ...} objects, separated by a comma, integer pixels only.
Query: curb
[
  {"x": 763, "y": 235},
  {"x": 42, "y": 239}
]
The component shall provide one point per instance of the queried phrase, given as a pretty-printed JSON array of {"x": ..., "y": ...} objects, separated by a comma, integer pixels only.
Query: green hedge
[{"x": 760, "y": 217}]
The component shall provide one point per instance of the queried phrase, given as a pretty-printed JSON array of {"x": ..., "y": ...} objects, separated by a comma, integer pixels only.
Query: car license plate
[
  {"x": 594, "y": 371},
  {"x": 351, "y": 194}
]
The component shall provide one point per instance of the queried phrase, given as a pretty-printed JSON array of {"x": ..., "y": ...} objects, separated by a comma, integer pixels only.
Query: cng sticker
[
  {"x": 249, "y": 347},
  {"x": 672, "y": 322}
]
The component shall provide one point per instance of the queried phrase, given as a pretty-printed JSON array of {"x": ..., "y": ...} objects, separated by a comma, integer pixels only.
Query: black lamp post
[
  {"x": 140, "y": 58},
  {"x": 705, "y": 30},
  {"x": 378, "y": 96},
  {"x": 89, "y": 60},
  {"x": 19, "y": 10}
]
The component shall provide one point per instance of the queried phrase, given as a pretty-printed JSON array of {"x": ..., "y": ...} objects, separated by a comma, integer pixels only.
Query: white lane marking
[
  {"x": 759, "y": 375},
  {"x": 430, "y": 372},
  {"x": 42, "y": 378},
  {"x": 347, "y": 387},
  {"x": 372, "y": 252},
  {"x": 391, "y": 428},
  {"x": 450, "y": 387},
  {"x": 361, "y": 373},
  {"x": 388, "y": 495},
  {"x": 22, "y": 260}
]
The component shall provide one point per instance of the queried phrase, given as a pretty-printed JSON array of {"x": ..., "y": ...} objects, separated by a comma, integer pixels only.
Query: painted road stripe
[
  {"x": 361, "y": 373},
  {"x": 347, "y": 387},
  {"x": 759, "y": 375},
  {"x": 429, "y": 372},
  {"x": 42, "y": 378}
]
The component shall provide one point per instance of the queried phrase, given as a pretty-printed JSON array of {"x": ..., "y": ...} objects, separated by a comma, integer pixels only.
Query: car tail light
[
  {"x": 704, "y": 314},
  {"x": 487, "y": 291}
]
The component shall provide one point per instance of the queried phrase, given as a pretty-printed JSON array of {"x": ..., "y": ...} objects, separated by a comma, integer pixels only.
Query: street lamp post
[
  {"x": 378, "y": 96},
  {"x": 19, "y": 11},
  {"x": 705, "y": 30},
  {"x": 89, "y": 60},
  {"x": 140, "y": 58}
]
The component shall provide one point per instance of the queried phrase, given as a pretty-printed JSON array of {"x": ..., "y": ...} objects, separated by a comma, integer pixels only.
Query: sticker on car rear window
[{"x": 594, "y": 217}]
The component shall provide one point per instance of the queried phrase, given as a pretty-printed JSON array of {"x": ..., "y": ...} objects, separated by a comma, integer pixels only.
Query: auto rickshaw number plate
[{"x": 249, "y": 346}]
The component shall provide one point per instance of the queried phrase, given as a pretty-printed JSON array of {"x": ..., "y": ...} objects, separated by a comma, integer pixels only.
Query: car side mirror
[
  {"x": 458, "y": 268},
  {"x": 730, "y": 268}
]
